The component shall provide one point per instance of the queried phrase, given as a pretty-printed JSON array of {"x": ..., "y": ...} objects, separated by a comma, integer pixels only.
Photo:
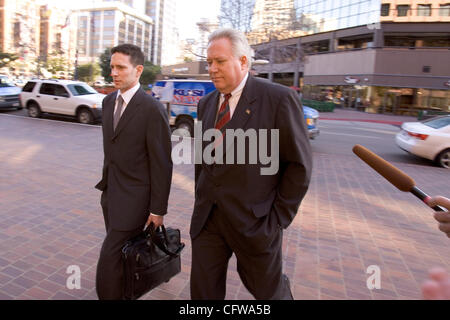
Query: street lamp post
[
  {"x": 75, "y": 75},
  {"x": 39, "y": 67}
]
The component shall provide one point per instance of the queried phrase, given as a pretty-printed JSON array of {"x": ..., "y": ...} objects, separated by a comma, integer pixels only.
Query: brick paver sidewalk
[{"x": 50, "y": 218}]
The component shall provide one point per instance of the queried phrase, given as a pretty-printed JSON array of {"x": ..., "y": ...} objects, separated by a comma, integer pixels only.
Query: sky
[{"x": 189, "y": 12}]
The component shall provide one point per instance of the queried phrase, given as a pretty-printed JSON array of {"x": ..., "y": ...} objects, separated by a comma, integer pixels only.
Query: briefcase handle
[{"x": 161, "y": 243}]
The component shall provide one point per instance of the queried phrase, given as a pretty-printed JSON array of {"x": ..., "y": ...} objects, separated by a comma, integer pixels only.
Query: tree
[
  {"x": 149, "y": 74},
  {"x": 56, "y": 63},
  {"x": 7, "y": 58},
  {"x": 105, "y": 60},
  {"x": 237, "y": 14},
  {"x": 88, "y": 72}
]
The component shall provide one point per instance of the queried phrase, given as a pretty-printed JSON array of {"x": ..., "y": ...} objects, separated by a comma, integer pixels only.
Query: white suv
[{"x": 66, "y": 97}]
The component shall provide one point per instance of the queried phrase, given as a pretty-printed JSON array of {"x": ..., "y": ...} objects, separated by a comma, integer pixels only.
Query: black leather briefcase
[{"x": 151, "y": 258}]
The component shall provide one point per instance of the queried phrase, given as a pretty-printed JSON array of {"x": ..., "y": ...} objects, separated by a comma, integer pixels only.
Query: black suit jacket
[
  {"x": 248, "y": 198},
  {"x": 137, "y": 169}
]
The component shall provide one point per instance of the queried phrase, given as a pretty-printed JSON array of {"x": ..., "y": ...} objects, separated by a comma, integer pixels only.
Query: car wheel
[
  {"x": 443, "y": 159},
  {"x": 34, "y": 111},
  {"x": 19, "y": 108},
  {"x": 85, "y": 116},
  {"x": 186, "y": 125}
]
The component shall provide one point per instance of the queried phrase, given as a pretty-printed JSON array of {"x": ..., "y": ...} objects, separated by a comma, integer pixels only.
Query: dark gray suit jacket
[
  {"x": 247, "y": 197},
  {"x": 137, "y": 169}
]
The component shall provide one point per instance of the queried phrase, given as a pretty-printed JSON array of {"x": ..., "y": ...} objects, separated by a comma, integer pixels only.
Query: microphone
[{"x": 395, "y": 176}]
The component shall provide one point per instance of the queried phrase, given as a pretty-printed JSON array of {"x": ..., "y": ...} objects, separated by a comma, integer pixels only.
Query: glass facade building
[
  {"x": 327, "y": 15},
  {"x": 386, "y": 56}
]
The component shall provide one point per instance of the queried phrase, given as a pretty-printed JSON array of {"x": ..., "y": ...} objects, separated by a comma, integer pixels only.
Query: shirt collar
[
  {"x": 239, "y": 88},
  {"x": 128, "y": 95}
]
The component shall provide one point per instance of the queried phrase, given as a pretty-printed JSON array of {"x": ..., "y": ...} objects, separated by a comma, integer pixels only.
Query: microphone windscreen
[{"x": 394, "y": 175}]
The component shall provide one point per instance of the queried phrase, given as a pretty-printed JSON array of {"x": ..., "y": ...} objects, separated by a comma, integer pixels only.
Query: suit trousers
[
  {"x": 260, "y": 271},
  {"x": 110, "y": 271}
]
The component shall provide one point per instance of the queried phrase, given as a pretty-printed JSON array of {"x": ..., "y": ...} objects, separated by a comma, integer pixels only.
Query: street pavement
[
  {"x": 353, "y": 115},
  {"x": 350, "y": 219}
]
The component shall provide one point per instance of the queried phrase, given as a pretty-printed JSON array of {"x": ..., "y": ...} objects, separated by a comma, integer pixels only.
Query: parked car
[
  {"x": 19, "y": 82},
  {"x": 428, "y": 139},
  {"x": 9, "y": 94},
  {"x": 65, "y": 97}
]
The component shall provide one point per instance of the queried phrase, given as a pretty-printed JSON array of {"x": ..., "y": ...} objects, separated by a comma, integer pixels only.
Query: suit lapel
[
  {"x": 108, "y": 114},
  {"x": 129, "y": 112},
  {"x": 209, "y": 116}
]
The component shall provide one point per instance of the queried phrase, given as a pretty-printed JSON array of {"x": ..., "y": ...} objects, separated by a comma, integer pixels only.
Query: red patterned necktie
[{"x": 224, "y": 113}]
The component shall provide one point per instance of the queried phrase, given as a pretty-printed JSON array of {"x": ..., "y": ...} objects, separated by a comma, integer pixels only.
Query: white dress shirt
[
  {"x": 235, "y": 96},
  {"x": 126, "y": 96}
]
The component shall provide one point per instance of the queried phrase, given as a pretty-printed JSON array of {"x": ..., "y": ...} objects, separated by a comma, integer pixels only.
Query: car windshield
[
  {"x": 5, "y": 82},
  {"x": 80, "y": 89},
  {"x": 438, "y": 123}
]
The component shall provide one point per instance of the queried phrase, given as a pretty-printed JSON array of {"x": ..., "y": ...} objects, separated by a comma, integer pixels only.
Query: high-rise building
[
  {"x": 415, "y": 10},
  {"x": 326, "y": 15},
  {"x": 273, "y": 19},
  {"x": 165, "y": 42},
  {"x": 139, "y": 5},
  {"x": 205, "y": 27},
  {"x": 108, "y": 24},
  {"x": 56, "y": 36},
  {"x": 371, "y": 55},
  {"x": 170, "y": 35},
  {"x": 273, "y": 13},
  {"x": 19, "y": 33}
]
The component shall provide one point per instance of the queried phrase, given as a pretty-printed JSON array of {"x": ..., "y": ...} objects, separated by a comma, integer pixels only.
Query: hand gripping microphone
[{"x": 398, "y": 178}]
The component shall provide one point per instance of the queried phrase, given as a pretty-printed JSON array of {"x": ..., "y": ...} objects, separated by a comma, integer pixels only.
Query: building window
[
  {"x": 82, "y": 23},
  {"x": 424, "y": 10},
  {"x": 444, "y": 10},
  {"x": 385, "y": 7},
  {"x": 402, "y": 10}
]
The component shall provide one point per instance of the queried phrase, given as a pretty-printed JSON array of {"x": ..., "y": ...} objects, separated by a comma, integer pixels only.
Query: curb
[{"x": 395, "y": 123}]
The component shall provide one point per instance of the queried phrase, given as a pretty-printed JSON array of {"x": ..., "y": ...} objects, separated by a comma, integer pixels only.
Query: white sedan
[{"x": 429, "y": 139}]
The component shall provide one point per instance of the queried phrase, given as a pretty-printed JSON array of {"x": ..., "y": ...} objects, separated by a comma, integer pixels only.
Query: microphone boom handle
[{"x": 423, "y": 196}]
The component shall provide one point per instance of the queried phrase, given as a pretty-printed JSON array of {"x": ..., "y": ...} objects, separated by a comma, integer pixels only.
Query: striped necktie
[
  {"x": 224, "y": 113},
  {"x": 118, "y": 112}
]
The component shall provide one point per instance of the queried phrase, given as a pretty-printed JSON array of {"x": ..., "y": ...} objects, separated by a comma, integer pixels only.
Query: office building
[
  {"x": 165, "y": 40},
  {"x": 415, "y": 10},
  {"x": 373, "y": 64},
  {"x": 19, "y": 35},
  {"x": 108, "y": 24}
]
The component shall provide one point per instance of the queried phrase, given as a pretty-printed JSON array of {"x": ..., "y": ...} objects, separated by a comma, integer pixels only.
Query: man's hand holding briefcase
[{"x": 150, "y": 259}]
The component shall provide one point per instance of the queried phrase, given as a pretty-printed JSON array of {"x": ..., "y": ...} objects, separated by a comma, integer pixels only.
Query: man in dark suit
[
  {"x": 237, "y": 208},
  {"x": 137, "y": 169}
]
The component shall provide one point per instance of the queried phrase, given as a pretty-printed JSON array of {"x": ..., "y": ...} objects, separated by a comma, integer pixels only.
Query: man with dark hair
[
  {"x": 137, "y": 168},
  {"x": 135, "y": 53}
]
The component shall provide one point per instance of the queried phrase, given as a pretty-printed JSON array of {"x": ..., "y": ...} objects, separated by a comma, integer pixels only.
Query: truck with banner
[{"x": 182, "y": 96}]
